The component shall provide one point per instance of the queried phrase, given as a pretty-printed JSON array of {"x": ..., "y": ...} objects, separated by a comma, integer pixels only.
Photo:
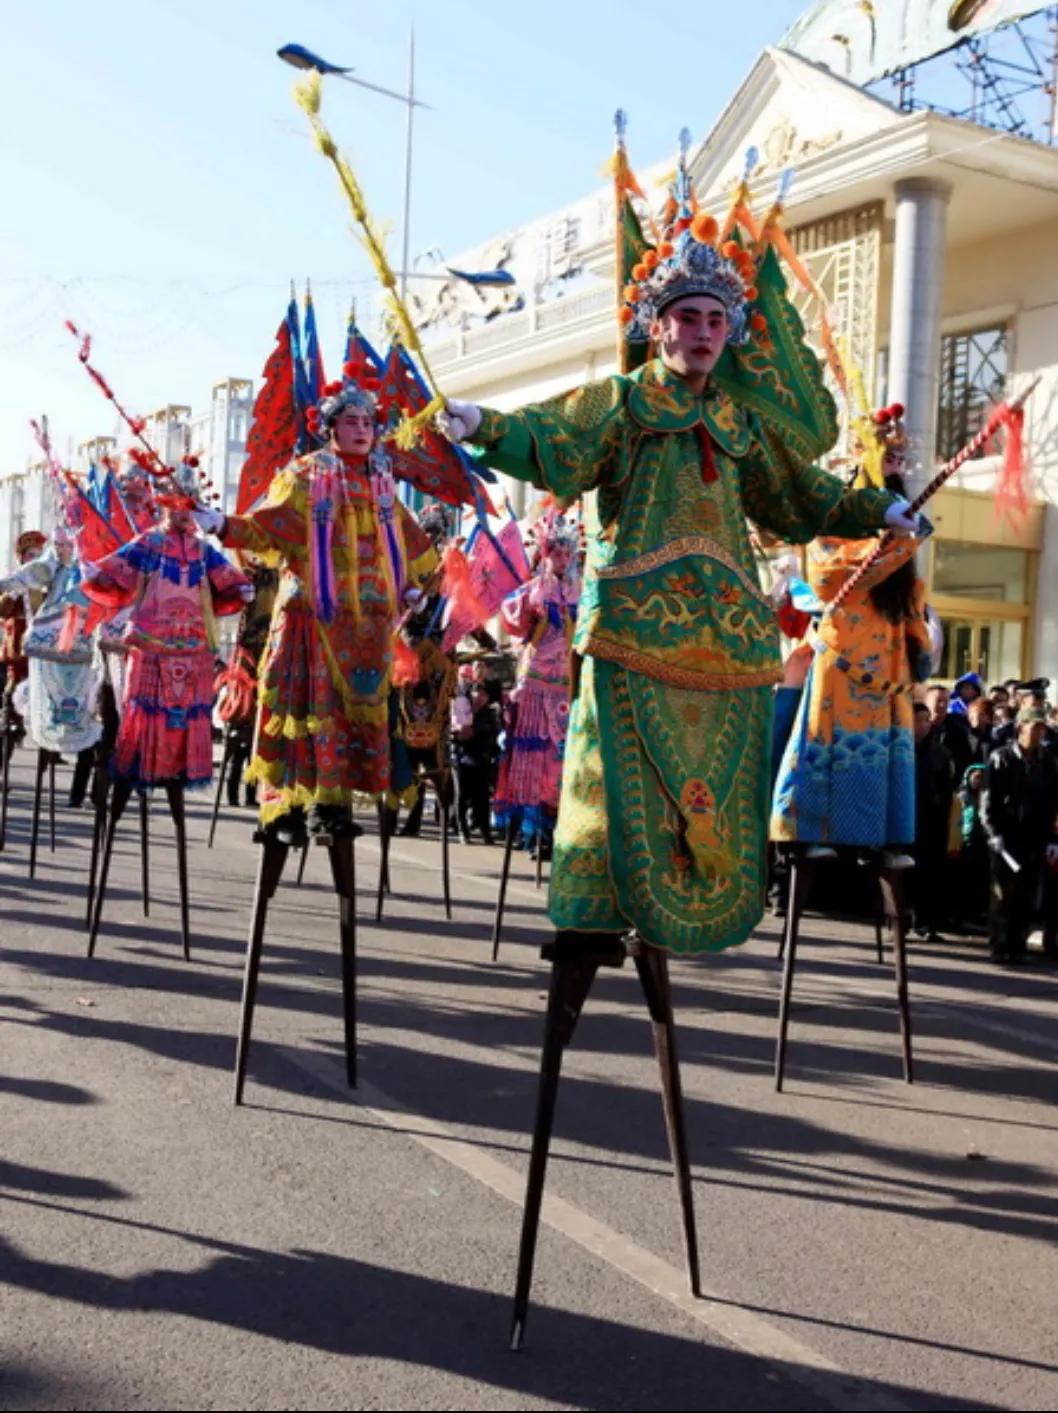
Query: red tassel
[
  {"x": 1012, "y": 498},
  {"x": 407, "y": 669},
  {"x": 240, "y": 679}
]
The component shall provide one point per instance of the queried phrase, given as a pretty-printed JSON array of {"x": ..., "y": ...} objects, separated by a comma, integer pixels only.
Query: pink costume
[
  {"x": 542, "y": 613},
  {"x": 175, "y": 583}
]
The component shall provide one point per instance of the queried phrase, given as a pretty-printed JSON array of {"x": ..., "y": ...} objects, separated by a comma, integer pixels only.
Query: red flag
[
  {"x": 273, "y": 433},
  {"x": 433, "y": 465},
  {"x": 489, "y": 581}
]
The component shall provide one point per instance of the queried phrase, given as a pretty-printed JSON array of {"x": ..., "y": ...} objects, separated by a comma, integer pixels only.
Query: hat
[
  {"x": 1036, "y": 685},
  {"x": 28, "y": 539},
  {"x": 690, "y": 259}
]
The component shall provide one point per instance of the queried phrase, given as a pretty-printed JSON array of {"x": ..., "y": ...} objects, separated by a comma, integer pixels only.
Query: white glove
[
  {"x": 246, "y": 592},
  {"x": 900, "y": 521},
  {"x": 459, "y": 420},
  {"x": 210, "y": 522},
  {"x": 413, "y": 597}
]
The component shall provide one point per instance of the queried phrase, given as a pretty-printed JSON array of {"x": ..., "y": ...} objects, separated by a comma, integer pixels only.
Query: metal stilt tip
[{"x": 517, "y": 1333}]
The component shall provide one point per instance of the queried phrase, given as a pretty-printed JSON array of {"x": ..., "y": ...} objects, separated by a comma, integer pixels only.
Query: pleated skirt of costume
[
  {"x": 663, "y": 813},
  {"x": 166, "y": 719},
  {"x": 322, "y": 728},
  {"x": 530, "y": 775},
  {"x": 56, "y": 700},
  {"x": 847, "y": 775}
]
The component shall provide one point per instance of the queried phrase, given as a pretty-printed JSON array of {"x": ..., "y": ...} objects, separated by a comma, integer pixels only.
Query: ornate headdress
[
  {"x": 356, "y": 389},
  {"x": 690, "y": 258},
  {"x": 875, "y": 435},
  {"x": 553, "y": 531}
]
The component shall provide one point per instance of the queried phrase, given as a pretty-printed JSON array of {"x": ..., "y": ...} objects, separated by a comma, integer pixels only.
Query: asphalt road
[{"x": 865, "y": 1244}]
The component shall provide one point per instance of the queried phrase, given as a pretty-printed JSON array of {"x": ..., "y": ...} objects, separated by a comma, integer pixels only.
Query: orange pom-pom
[
  {"x": 625, "y": 315},
  {"x": 752, "y": 292},
  {"x": 758, "y": 322},
  {"x": 650, "y": 259},
  {"x": 639, "y": 273},
  {"x": 666, "y": 249},
  {"x": 704, "y": 228},
  {"x": 731, "y": 250},
  {"x": 631, "y": 293}
]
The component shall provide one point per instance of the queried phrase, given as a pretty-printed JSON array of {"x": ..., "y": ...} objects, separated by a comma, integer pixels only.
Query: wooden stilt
[
  {"x": 653, "y": 967},
  {"x": 575, "y": 960},
  {"x": 269, "y": 872},
  {"x": 446, "y": 872},
  {"x": 343, "y": 871},
  {"x": 891, "y": 887},
  {"x": 145, "y": 853},
  {"x": 42, "y": 766},
  {"x": 51, "y": 797},
  {"x": 225, "y": 765},
  {"x": 99, "y": 823},
  {"x": 175, "y": 793},
  {"x": 7, "y": 746},
  {"x": 505, "y": 873},
  {"x": 800, "y": 878},
  {"x": 119, "y": 798},
  {"x": 385, "y": 829}
]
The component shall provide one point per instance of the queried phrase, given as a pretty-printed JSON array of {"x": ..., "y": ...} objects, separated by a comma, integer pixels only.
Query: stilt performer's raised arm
[{"x": 1008, "y": 416}]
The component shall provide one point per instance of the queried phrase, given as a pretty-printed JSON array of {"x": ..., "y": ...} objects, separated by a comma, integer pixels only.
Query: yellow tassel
[
  {"x": 310, "y": 92},
  {"x": 409, "y": 429}
]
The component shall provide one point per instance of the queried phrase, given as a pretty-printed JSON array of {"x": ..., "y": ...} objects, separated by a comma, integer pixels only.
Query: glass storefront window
[
  {"x": 980, "y": 572},
  {"x": 991, "y": 647}
]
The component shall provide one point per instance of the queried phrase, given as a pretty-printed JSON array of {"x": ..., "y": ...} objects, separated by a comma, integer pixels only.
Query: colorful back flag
[
  {"x": 498, "y": 565},
  {"x": 274, "y": 431},
  {"x": 314, "y": 376}
]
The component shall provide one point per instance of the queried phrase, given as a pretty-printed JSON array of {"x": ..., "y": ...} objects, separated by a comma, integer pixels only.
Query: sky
[{"x": 161, "y": 189}]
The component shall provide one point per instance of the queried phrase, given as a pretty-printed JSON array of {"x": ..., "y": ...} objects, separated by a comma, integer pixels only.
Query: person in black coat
[
  {"x": 1019, "y": 814},
  {"x": 934, "y": 786},
  {"x": 475, "y": 749},
  {"x": 952, "y": 729}
]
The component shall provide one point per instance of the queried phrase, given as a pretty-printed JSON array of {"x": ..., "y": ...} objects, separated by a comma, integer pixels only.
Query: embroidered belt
[
  {"x": 679, "y": 549},
  {"x": 870, "y": 681}
]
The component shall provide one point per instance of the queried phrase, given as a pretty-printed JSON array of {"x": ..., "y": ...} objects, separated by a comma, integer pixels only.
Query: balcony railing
[{"x": 509, "y": 330}]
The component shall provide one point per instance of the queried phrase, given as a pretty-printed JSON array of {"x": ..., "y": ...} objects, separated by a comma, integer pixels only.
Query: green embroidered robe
[{"x": 665, "y": 791}]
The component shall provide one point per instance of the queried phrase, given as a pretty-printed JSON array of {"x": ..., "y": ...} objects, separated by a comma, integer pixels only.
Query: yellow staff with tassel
[{"x": 308, "y": 95}]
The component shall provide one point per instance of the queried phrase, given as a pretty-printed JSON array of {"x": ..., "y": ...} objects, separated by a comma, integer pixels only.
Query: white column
[{"x": 915, "y": 316}]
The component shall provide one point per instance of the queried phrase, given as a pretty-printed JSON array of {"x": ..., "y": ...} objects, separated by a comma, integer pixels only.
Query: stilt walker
[
  {"x": 15, "y": 611},
  {"x": 847, "y": 777},
  {"x": 351, "y": 559},
  {"x": 57, "y": 697},
  {"x": 176, "y": 584},
  {"x": 543, "y": 614},
  {"x": 660, "y": 840}
]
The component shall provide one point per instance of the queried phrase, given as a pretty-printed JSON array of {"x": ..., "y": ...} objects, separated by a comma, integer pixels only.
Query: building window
[{"x": 973, "y": 375}]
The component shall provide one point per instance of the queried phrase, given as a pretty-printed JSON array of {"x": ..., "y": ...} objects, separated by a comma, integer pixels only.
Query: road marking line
[{"x": 753, "y": 1334}]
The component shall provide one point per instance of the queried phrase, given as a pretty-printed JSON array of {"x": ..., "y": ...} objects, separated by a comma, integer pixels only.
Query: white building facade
[{"x": 933, "y": 241}]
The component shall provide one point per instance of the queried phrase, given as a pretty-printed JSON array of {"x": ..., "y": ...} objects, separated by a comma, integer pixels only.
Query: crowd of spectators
[{"x": 986, "y": 847}]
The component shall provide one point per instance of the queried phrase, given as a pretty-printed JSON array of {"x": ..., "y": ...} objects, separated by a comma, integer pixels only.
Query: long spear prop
[
  {"x": 308, "y": 95},
  {"x": 1009, "y": 415}
]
